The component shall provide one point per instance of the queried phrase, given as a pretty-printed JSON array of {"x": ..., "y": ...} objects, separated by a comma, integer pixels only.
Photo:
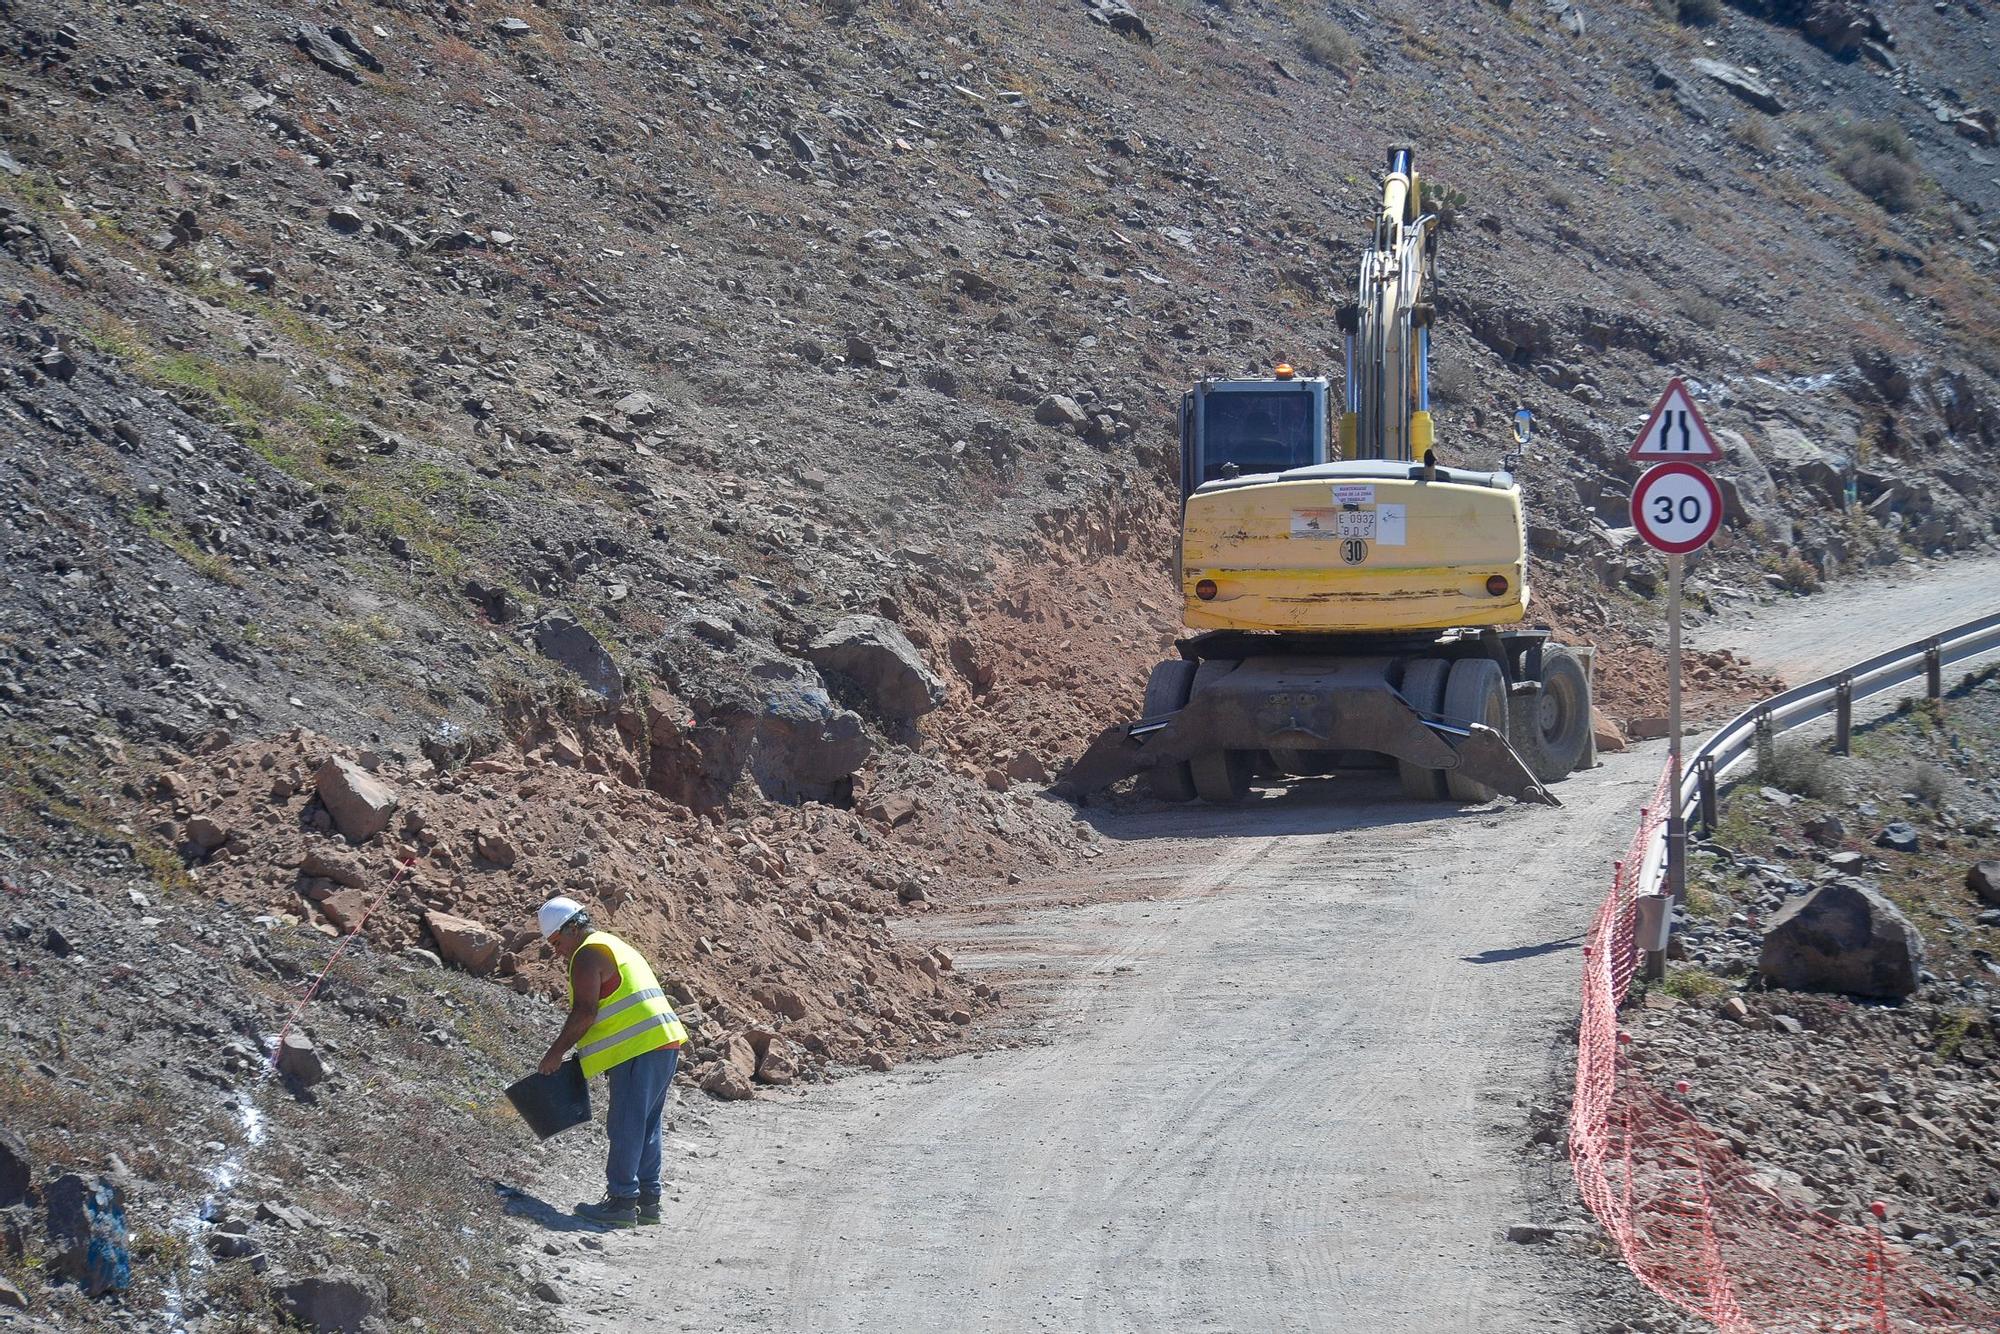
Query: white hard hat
[{"x": 555, "y": 913}]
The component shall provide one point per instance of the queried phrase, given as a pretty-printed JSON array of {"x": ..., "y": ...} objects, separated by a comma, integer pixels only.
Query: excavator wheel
[
  {"x": 1550, "y": 729},
  {"x": 1221, "y": 776},
  {"x": 1423, "y": 687},
  {"x": 1167, "y": 691},
  {"x": 1474, "y": 692}
]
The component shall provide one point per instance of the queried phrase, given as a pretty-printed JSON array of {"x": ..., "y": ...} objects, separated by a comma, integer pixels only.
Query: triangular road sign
[{"x": 1675, "y": 430}]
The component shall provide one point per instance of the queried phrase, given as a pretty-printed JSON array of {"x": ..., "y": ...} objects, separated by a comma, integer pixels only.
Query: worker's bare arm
[{"x": 593, "y": 967}]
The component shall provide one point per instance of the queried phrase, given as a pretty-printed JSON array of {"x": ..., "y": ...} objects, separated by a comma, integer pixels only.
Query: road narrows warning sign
[{"x": 1675, "y": 430}]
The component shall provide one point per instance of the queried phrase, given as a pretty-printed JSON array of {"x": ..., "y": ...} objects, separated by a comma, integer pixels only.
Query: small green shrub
[
  {"x": 1704, "y": 904},
  {"x": 1754, "y": 134},
  {"x": 1876, "y": 158},
  {"x": 1796, "y": 574},
  {"x": 1326, "y": 43},
  {"x": 1449, "y": 204},
  {"x": 1800, "y": 768},
  {"x": 1929, "y": 783},
  {"x": 1452, "y": 382},
  {"x": 1693, "y": 984},
  {"x": 1949, "y": 1032},
  {"x": 1703, "y": 309}
]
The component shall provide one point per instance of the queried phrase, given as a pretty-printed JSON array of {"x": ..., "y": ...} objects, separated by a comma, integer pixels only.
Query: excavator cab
[{"x": 1245, "y": 428}]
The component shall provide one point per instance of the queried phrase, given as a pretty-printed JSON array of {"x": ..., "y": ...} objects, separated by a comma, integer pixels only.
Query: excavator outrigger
[{"x": 1357, "y": 604}]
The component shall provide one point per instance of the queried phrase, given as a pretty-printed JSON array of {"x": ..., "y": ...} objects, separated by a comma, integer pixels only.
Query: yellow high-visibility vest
[{"x": 635, "y": 1019}]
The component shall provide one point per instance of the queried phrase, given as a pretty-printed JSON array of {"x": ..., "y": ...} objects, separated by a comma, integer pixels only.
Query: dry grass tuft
[{"x": 1326, "y": 43}]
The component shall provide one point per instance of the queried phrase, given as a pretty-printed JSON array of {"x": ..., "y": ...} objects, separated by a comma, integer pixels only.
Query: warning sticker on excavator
[
  {"x": 1389, "y": 529},
  {"x": 1317, "y": 523},
  {"x": 1354, "y": 494}
]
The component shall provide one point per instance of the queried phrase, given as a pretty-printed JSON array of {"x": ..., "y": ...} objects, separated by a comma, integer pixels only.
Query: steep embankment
[{"x": 551, "y": 388}]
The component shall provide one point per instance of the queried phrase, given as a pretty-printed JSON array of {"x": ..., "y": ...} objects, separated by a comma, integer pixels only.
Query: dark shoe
[
  {"x": 611, "y": 1211},
  {"x": 649, "y": 1208}
]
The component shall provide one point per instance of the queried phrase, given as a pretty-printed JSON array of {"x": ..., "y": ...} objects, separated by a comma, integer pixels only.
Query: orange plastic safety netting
[{"x": 1694, "y": 1220}]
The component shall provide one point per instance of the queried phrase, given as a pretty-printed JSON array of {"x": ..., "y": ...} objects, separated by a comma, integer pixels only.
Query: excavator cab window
[{"x": 1231, "y": 430}]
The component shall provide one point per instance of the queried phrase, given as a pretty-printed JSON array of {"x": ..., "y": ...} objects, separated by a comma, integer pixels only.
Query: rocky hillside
[{"x": 719, "y": 462}]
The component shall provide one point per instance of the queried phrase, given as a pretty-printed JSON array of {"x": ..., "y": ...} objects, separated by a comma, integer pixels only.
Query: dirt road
[
  {"x": 1799, "y": 638},
  {"x": 1279, "y": 1082}
]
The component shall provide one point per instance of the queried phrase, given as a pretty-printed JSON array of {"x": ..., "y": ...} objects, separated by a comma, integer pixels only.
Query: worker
[{"x": 622, "y": 1024}]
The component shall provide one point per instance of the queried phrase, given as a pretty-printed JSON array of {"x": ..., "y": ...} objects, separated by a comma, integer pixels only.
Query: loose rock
[
  {"x": 1843, "y": 937},
  {"x": 471, "y": 945},
  {"x": 359, "y": 803},
  {"x": 300, "y": 1060},
  {"x": 340, "y": 1301},
  {"x": 880, "y": 658},
  {"x": 86, "y": 1231}
]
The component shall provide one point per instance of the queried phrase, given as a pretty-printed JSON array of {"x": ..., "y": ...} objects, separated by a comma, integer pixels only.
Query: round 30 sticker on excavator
[{"x": 1353, "y": 551}]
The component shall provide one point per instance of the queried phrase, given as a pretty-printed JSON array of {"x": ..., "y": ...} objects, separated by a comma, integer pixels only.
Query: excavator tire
[
  {"x": 1167, "y": 691},
  {"x": 1550, "y": 729},
  {"x": 1423, "y": 687},
  {"x": 1221, "y": 776},
  {"x": 1474, "y": 692}
]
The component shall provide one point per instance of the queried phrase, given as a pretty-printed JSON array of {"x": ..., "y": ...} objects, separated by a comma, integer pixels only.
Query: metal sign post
[
  {"x": 1677, "y": 508},
  {"x": 1677, "y": 834}
]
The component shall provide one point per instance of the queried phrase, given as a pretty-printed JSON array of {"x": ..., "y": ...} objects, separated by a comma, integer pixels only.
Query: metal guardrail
[
  {"x": 1749, "y": 731},
  {"x": 1833, "y": 694}
]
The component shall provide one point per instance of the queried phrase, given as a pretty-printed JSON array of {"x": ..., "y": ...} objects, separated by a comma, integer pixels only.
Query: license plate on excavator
[{"x": 1357, "y": 523}]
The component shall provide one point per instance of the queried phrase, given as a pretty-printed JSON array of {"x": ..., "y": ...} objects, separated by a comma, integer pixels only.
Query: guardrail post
[
  {"x": 1767, "y": 755},
  {"x": 1704, "y": 776},
  {"x": 1843, "y": 715},
  {"x": 1934, "y": 669}
]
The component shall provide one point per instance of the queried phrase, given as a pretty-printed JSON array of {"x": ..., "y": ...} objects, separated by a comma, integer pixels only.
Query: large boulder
[
  {"x": 339, "y": 1301},
  {"x": 1749, "y": 496},
  {"x": 299, "y": 1059},
  {"x": 1742, "y": 83},
  {"x": 1982, "y": 878},
  {"x": 17, "y": 1169},
  {"x": 87, "y": 1239},
  {"x": 563, "y": 641},
  {"x": 802, "y": 746},
  {"x": 876, "y": 655},
  {"x": 1060, "y": 410},
  {"x": 1821, "y": 469},
  {"x": 759, "y": 714},
  {"x": 471, "y": 945},
  {"x": 359, "y": 802},
  {"x": 1843, "y": 937}
]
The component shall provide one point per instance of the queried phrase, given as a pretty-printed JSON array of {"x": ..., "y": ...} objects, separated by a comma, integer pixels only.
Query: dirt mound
[{"x": 787, "y": 927}]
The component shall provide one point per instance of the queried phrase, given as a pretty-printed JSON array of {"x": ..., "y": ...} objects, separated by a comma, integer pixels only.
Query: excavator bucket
[{"x": 1485, "y": 757}]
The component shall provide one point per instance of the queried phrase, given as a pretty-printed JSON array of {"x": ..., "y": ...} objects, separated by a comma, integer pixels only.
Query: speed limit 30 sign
[{"x": 1676, "y": 507}]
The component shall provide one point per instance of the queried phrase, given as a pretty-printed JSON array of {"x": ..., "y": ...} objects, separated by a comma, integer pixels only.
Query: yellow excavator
[{"x": 1356, "y": 604}]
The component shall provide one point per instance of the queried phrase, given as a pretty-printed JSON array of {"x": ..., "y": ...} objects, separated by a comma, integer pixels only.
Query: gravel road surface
[{"x": 1278, "y": 1079}]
